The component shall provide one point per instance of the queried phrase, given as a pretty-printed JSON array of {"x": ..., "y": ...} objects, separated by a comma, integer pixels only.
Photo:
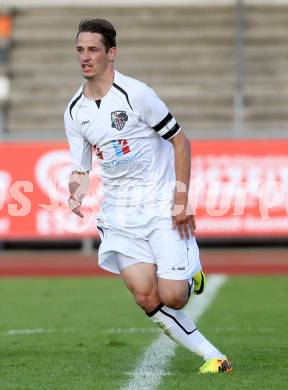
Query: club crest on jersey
[{"x": 119, "y": 119}]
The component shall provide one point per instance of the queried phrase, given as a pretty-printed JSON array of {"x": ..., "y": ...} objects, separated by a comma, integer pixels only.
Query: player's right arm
[
  {"x": 78, "y": 187},
  {"x": 81, "y": 156}
]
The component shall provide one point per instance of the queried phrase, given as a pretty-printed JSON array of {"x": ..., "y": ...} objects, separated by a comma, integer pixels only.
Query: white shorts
[{"x": 174, "y": 258}]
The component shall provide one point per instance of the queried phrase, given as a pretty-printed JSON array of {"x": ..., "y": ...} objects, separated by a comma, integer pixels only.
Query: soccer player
[{"x": 145, "y": 224}]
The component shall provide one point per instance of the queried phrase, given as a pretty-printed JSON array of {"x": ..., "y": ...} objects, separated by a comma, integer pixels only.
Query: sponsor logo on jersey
[
  {"x": 123, "y": 161},
  {"x": 119, "y": 119},
  {"x": 85, "y": 123},
  {"x": 121, "y": 147}
]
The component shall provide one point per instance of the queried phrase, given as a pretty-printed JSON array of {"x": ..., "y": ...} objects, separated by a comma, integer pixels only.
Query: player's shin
[{"x": 182, "y": 329}]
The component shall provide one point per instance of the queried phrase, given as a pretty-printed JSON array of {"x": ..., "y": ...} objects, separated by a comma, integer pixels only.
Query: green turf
[
  {"x": 248, "y": 320},
  {"x": 80, "y": 353}
]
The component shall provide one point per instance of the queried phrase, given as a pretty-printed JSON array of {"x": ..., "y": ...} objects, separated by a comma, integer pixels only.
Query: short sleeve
[
  {"x": 155, "y": 113},
  {"x": 80, "y": 148}
]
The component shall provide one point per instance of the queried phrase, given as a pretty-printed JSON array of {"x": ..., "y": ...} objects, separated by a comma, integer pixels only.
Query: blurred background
[{"x": 221, "y": 67}]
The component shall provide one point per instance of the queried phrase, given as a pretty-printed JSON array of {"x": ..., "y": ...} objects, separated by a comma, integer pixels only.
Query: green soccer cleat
[
  {"x": 199, "y": 282},
  {"x": 213, "y": 366}
]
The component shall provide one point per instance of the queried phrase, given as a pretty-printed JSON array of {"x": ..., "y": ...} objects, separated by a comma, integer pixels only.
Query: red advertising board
[
  {"x": 240, "y": 188},
  {"x": 237, "y": 189}
]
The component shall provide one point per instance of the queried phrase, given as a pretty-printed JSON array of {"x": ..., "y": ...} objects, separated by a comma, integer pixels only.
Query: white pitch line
[
  {"x": 152, "y": 367},
  {"x": 133, "y": 330},
  {"x": 13, "y": 332}
]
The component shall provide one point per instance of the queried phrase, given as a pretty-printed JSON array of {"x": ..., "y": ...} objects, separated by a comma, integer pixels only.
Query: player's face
[{"x": 92, "y": 55}]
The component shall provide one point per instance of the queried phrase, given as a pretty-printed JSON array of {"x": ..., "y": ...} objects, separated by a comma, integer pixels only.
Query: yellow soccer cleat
[
  {"x": 199, "y": 282},
  {"x": 213, "y": 366}
]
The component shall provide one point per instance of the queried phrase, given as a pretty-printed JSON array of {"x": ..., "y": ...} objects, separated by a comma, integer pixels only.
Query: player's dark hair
[{"x": 100, "y": 26}]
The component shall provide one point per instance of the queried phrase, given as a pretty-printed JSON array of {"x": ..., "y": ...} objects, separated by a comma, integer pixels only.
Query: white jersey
[{"x": 128, "y": 129}]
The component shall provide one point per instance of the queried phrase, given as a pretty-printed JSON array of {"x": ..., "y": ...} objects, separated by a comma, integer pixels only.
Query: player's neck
[{"x": 98, "y": 87}]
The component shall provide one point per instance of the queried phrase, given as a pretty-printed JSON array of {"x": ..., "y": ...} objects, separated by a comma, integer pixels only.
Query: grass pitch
[{"x": 88, "y": 334}]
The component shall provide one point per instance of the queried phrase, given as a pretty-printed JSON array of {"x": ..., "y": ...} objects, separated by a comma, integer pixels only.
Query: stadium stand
[
  {"x": 185, "y": 53},
  {"x": 188, "y": 54},
  {"x": 266, "y": 62},
  {"x": 5, "y": 43}
]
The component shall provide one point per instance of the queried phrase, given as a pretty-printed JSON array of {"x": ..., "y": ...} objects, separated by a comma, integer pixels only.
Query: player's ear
[{"x": 112, "y": 53}]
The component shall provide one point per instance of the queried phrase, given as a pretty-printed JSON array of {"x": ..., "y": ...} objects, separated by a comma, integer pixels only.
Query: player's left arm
[
  {"x": 182, "y": 218},
  {"x": 155, "y": 113}
]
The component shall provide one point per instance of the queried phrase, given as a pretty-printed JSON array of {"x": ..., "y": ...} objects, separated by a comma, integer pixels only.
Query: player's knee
[
  {"x": 173, "y": 293},
  {"x": 147, "y": 302},
  {"x": 176, "y": 301}
]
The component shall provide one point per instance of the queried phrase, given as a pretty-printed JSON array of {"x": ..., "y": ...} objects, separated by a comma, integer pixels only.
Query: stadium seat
[
  {"x": 5, "y": 45},
  {"x": 5, "y": 26}
]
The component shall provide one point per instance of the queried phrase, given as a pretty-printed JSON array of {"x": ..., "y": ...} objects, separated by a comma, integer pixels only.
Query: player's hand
[
  {"x": 75, "y": 206},
  {"x": 182, "y": 218}
]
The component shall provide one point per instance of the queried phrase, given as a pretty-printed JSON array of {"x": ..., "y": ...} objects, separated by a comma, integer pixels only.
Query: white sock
[{"x": 182, "y": 329}]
